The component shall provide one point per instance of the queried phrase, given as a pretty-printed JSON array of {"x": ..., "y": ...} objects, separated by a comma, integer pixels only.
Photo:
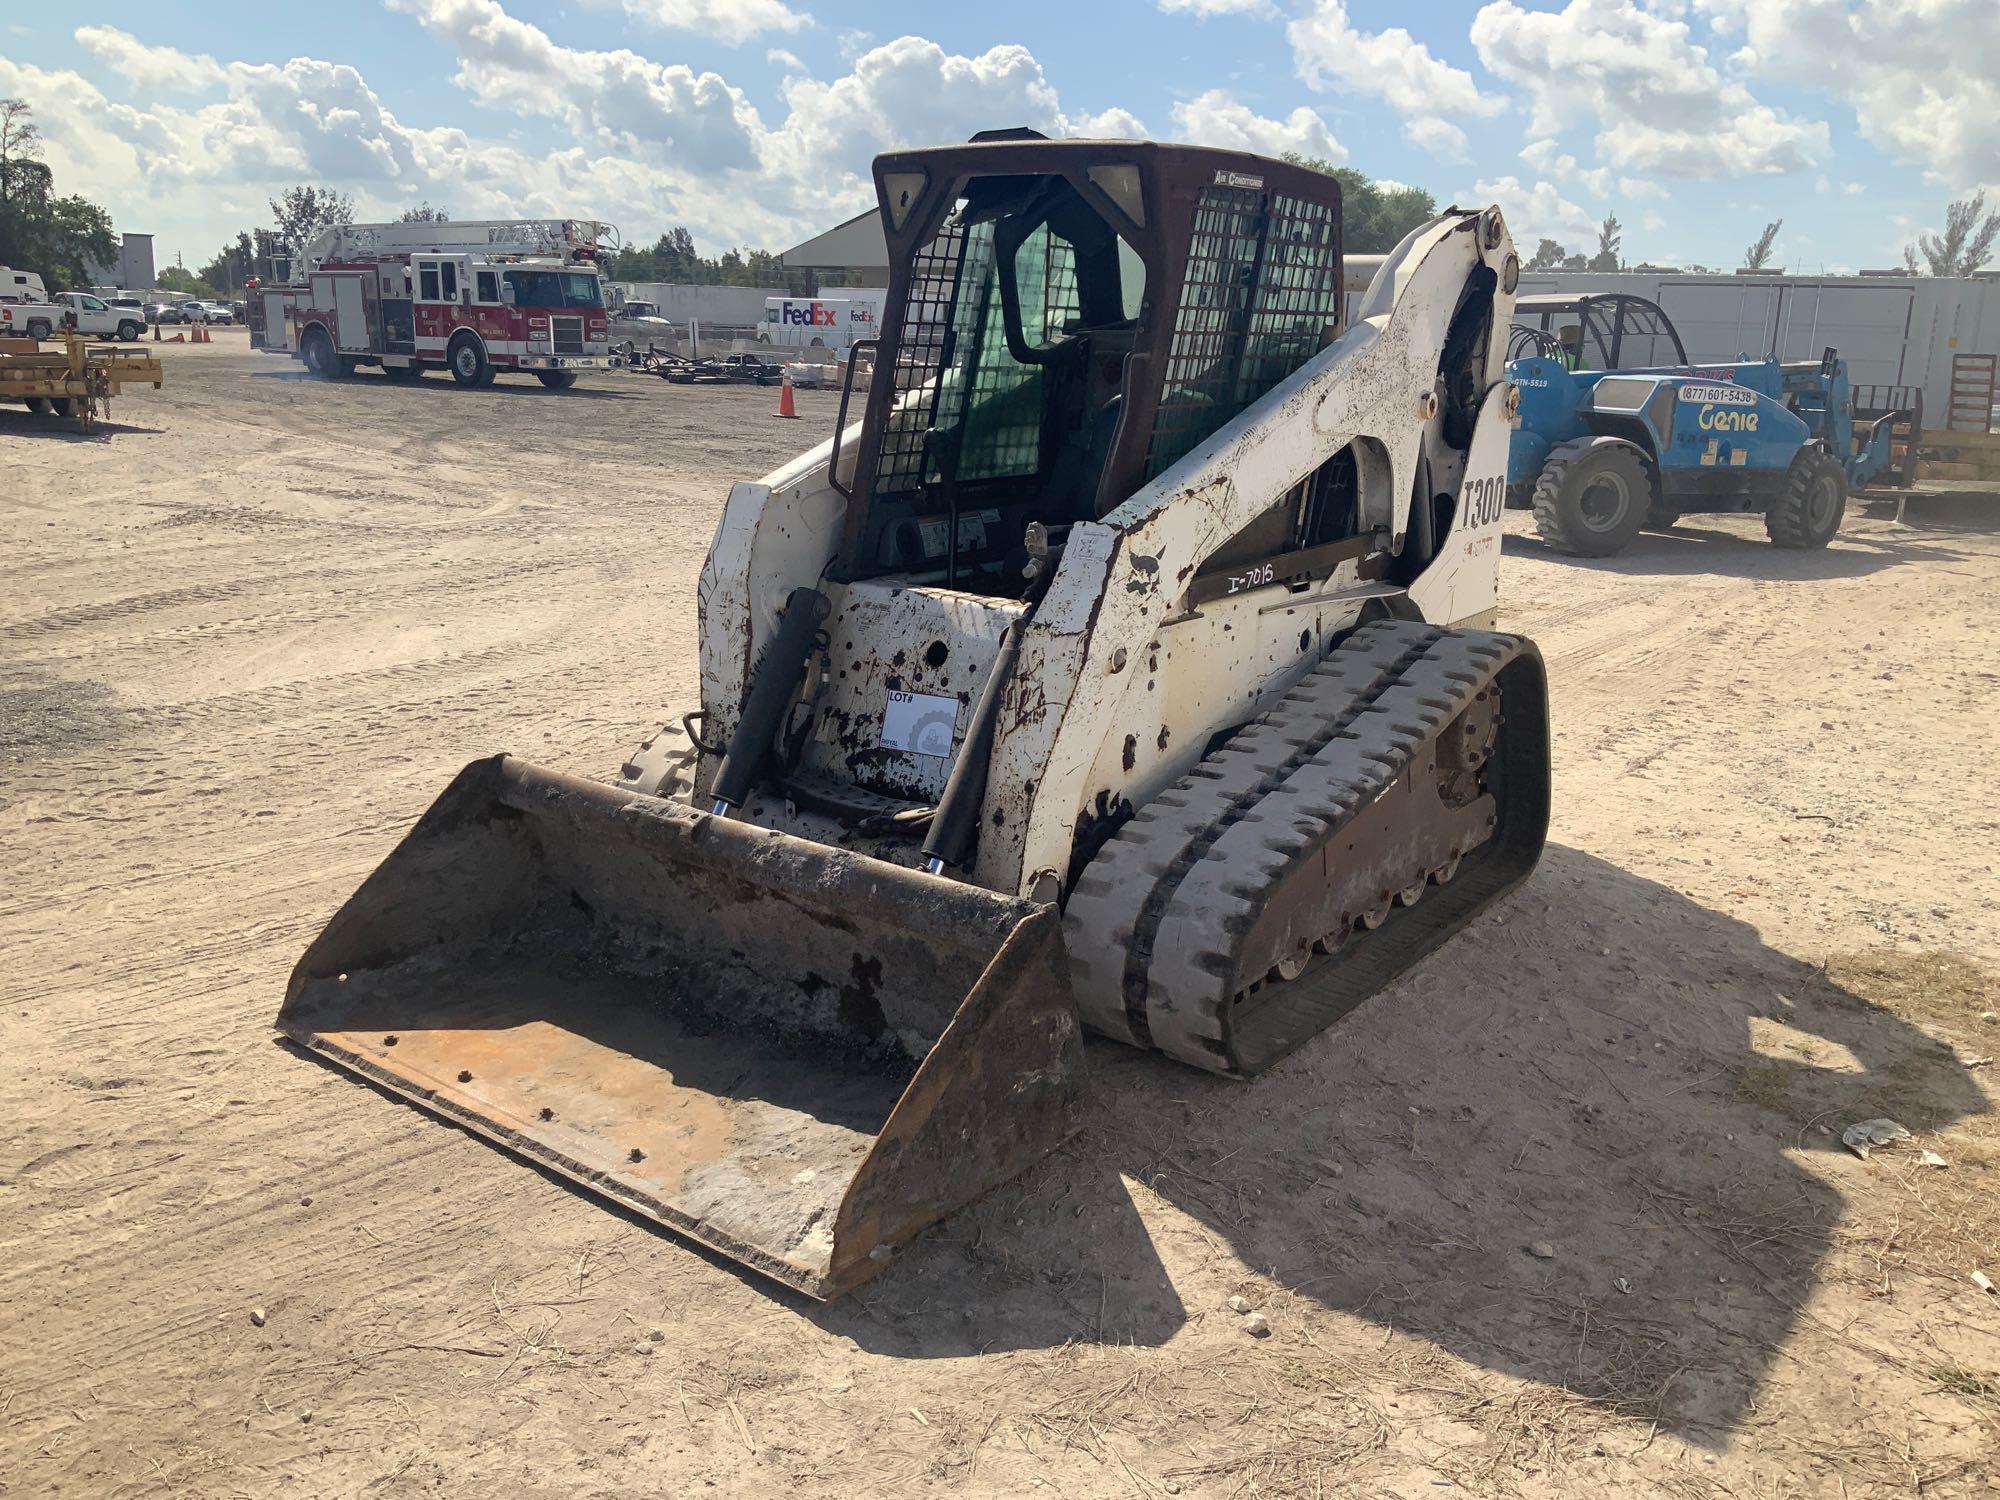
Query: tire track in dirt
[{"x": 521, "y": 579}]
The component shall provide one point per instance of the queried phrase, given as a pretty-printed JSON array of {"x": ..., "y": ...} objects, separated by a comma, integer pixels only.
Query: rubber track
[
  {"x": 1115, "y": 909},
  {"x": 1169, "y": 899}
]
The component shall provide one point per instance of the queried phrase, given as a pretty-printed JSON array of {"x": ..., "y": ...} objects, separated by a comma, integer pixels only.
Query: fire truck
[{"x": 478, "y": 298}]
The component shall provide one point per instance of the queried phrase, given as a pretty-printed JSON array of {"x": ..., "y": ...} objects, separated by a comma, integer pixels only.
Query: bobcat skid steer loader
[{"x": 1125, "y": 662}]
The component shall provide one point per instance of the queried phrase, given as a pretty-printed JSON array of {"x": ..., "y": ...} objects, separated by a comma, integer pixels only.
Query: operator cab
[
  {"x": 1035, "y": 367},
  {"x": 1596, "y": 331}
]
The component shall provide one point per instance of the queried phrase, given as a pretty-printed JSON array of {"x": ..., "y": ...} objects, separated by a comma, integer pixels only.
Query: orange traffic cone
[
  {"x": 785, "y": 407},
  {"x": 198, "y": 333},
  {"x": 179, "y": 338}
]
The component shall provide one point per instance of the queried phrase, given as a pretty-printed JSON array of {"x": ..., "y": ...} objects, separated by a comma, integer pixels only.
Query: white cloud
[
  {"x": 1639, "y": 187},
  {"x": 1437, "y": 135},
  {"x": 1216, "y": 118},
  {"x": 1654, "y": 222},
  {"x": 1546, "y": 156},
  {"x": 779, "y": 57},
  {"x": 731, "y": 21},
  {"x": 1536, "y": 211},
  {"x": 1658, "y": 103},
  {"x": 640, "y": 142},
  {"x": 1207, "y": 8},
  {"x": 150, "y": 69},
  {"x": 1923, "y": 76},
  {"x": 1113, "y": 124},
  {"x": 1392, "y": 66},
  {"x": 193, "y": 176},
  {"x": 907, "y": 92},
  {"x": 616, "y": 101}
]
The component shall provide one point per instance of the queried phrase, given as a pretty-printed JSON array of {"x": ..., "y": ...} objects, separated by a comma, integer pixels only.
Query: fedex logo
[{"x": 806, "y": 314}]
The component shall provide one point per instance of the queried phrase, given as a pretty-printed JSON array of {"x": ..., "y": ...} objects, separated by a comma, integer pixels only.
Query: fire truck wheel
[
  {"x": 318, "y": 356},
  {"x": 556, "y": 380},
  {"x": 469, "y": 365}
]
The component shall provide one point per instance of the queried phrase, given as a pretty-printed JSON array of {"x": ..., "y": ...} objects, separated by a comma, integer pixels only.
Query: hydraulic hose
[
  {"x": 772, "y": 687},
  {"x": 957, "y": 818}
]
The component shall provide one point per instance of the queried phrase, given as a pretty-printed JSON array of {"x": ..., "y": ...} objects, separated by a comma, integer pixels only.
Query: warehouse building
[{"x": 132, "y": 271}]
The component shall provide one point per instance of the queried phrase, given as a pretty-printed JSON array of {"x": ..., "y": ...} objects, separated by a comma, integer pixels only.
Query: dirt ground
[{"x": 253, "y": 625}]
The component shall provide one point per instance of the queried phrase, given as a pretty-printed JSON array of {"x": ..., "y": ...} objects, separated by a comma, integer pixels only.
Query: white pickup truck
[{"x": 91, "y": 315}]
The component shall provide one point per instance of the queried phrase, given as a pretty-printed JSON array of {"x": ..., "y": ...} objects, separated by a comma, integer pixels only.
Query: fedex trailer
[{"x": 818, "y": 322}]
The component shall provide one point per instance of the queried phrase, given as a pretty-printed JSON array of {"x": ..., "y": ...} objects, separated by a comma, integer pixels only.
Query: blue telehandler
[{"x": 1619, "y": 430}]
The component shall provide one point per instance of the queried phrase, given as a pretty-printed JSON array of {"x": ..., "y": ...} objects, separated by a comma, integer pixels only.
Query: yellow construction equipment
[{"x": 76, "y": 380}]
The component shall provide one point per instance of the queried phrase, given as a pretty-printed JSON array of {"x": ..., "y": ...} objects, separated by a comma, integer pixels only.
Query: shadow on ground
[
  {"x": 1575, "y": 1073},
  {"x": 1692, "y": 548},
  {"x": 435, "y": 384},
  {"x": 15, "y": 422},
  {"x": 1971, "y": 507}
]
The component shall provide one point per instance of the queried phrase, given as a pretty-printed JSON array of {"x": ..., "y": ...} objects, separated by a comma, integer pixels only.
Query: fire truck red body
[{"x": 478, "y": 299}]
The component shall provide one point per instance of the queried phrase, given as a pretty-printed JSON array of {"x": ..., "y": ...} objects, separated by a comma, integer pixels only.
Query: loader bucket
[{"x": 795, "y": 1054}]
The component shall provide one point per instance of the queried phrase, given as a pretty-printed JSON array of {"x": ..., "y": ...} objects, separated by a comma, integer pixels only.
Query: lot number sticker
[{"x": 919, "y": 723}]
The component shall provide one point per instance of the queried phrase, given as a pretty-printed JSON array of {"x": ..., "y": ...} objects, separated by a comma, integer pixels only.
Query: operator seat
[{"x": 1078, "y": 470}]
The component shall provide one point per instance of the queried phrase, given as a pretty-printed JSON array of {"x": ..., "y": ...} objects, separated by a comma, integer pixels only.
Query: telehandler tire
[
  {"x": 1592, "y": 497},
  {"x": 1809, "y": 511}
]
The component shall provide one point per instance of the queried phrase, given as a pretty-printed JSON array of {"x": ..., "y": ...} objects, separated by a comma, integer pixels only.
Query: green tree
[
  {"x": 20, "y": 145},
  {"x": 1374, "y": 216},
  {"x": 234, "y": 264},
  {"x": 301, "y": 213},
  {"x": 61, "y": 237},
  {"x": 1610, "y": 236},
  {"x": 1966, "y": 244},
  {"x": 672, "y": 258},
  {"x": 1757, "y": 257},
  {"x": 423, "y": 213},
  {"x": 1548, "y": 256},
  {"x": 184, "y": 283},
  {"x": 230, "y": 270}
]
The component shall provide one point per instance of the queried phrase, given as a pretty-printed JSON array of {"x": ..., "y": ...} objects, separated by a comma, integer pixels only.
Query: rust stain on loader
[{"x": 637, "y": 996}]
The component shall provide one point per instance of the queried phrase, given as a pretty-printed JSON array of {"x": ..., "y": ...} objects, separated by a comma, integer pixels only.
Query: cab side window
[
  {"x": 427, "y": 283},
  {"x": 448, "y": 279},
  {"x": 488, "y": 286}
]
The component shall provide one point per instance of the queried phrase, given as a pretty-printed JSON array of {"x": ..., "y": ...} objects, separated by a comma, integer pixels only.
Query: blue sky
[{"x": 752, "y": 121}]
